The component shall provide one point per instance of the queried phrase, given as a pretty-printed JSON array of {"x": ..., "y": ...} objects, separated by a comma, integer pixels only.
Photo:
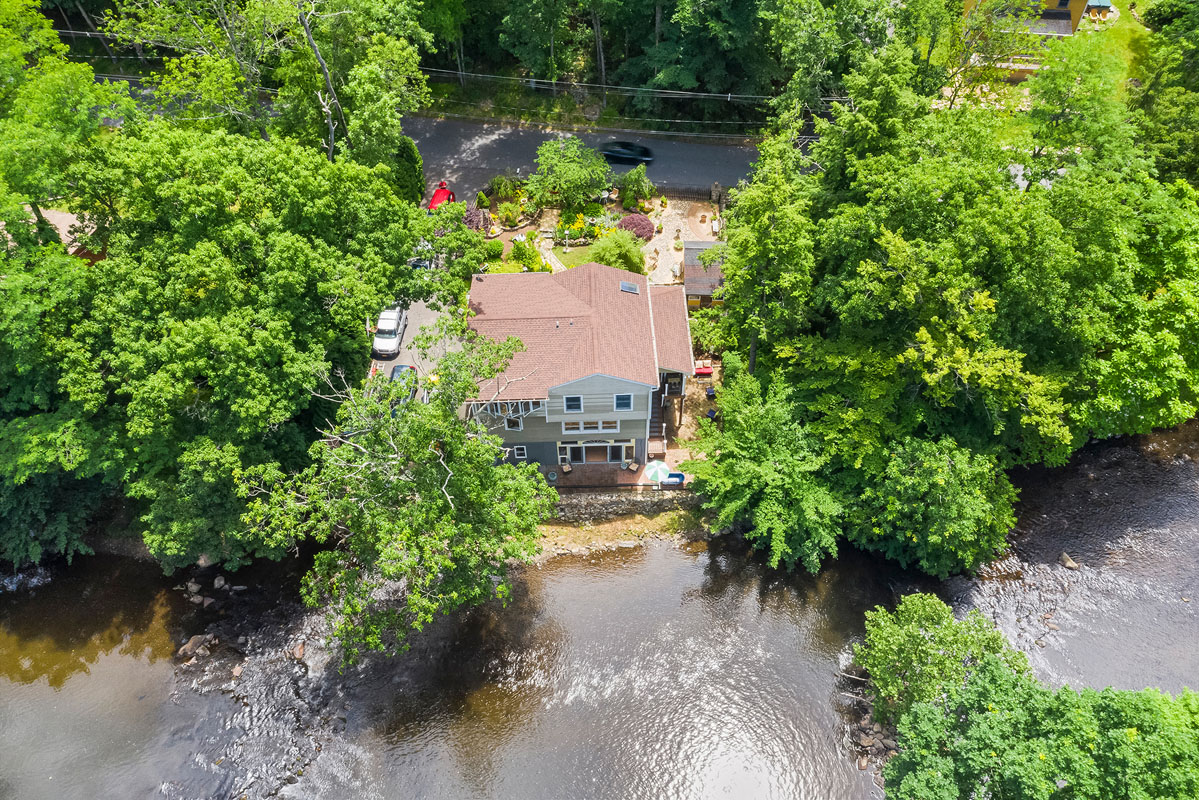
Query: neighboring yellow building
[{"x": 1058, "y": 19}]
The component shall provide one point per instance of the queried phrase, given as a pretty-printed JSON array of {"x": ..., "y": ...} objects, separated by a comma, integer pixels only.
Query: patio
[{"x": 599, "y": 476}]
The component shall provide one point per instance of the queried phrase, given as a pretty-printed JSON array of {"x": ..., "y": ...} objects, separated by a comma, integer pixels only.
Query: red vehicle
[{"x": 441, "y": 195}]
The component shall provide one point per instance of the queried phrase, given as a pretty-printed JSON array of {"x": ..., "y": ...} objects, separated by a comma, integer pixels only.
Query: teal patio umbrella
[{"x": 657, "y": 471}]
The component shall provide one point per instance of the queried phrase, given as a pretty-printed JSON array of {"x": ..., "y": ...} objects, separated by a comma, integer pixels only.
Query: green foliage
[
  {"x": 760, "y": 468},
  {"x": 524, "y": 252},
  {"x": 971, "y": 715},
  {"x": 709, "y": 331},
  {"x": 190, "y": 353},
  {"x": 482, "y": 201},
  {"x": 503, "y": 187},
  {"x": 937, "y": 506},
  {"x": 919, "y": 652},
  {"x": 493, "y": 250},
  {"x": 620, "y": 249},
  {"x": 509, "y": 214},
  {"x": 568, "y": 174},
  {"x": 419, "y": 515},
  {"x": 942, "y": 304},
  {"x": 634, "y": 185}
]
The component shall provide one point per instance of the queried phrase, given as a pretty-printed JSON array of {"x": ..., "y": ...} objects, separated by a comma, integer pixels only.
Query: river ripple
[{"x": 673, "y": 672}]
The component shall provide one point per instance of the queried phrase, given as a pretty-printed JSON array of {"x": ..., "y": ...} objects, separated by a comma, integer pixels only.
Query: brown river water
[{"x": 659, "y": 672}]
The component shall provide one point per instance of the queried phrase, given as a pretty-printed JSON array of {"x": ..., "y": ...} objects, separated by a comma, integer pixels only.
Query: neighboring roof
[
  {"x": 573, "y": 324},
  {"x": 1045, "y": 26},
  {"x": 697, "y": 278},
  {"x": 672, "y": 330},
  {"x": 1099, "y": 3}
]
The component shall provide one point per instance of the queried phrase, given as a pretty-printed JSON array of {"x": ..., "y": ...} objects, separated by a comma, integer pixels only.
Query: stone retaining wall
[{"x": 598, "y": 506}]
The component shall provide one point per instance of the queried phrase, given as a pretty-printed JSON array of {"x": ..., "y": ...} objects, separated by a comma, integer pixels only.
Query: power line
[
  {"x": 628, "y": 90},
  {"x": 744, "y": 123}
]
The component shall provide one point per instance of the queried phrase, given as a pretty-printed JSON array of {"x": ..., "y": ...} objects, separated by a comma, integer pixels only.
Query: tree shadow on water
[{"x": 98, "y": 605}]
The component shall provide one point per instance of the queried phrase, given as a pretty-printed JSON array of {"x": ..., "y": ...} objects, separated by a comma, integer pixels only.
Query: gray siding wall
[
  {"x": 598, "y": 392},
  {"x": 541, "y": 452}
]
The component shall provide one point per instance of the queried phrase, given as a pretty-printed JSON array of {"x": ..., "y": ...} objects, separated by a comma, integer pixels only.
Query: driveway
[
  {"x": 419, "y": 315},
  {"x": 468, "y": 154}
]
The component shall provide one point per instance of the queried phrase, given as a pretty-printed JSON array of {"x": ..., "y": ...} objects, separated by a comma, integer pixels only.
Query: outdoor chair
[
  {"x": 634, "y": 466},
  {"x": 712, "y": 415},
  {"x": 566, "y": 467},
  {"x": 711, "y": 392}
]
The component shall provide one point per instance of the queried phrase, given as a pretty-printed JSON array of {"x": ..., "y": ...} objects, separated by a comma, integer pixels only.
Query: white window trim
[
  {"x": 616, "y": 407},
  {"x": 597, "y": 426},
  {"x": 519, "y": 452},
  {"x": 520, "y": 424},
  {"x": 566, "y": 397}
]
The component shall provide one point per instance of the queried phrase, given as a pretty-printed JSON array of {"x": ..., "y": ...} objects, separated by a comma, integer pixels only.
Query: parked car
[
  {"x": 441, "y": 194},
  {"x": 627, "y": 153},
  {"x": 390, "y": 332},
  {"x": 404, "y": 372}
]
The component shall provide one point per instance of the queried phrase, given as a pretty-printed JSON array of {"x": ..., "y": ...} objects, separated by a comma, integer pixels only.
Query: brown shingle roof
[
  {"x": 672, "y": 332},
  {"x": 573, "y": 324},
  {"x": 697, "y": 278}
]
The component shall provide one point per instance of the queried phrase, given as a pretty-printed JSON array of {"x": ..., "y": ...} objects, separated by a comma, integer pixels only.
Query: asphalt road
[{"x": 467, "y": 154}]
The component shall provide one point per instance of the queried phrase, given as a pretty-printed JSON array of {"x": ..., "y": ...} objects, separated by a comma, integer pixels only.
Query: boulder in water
[
  {"x": 1067, "y": 562},
  {"x": 218, "y": 582},
  {"x": 194, "y": 644},
  {"x": 193, "y": 587}
]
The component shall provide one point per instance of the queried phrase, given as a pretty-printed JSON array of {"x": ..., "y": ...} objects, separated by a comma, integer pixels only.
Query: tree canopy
[
  {"x": 972, "y": 719},
  {"x": 935, "y": 304}
]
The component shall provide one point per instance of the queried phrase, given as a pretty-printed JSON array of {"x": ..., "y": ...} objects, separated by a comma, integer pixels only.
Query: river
[{"x": 664, "y": 671}]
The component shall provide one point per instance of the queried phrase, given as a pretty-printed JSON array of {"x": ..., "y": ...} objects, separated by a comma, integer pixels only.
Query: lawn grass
[
  {"x": 1126, "y": 39},
  {"x": 497, "y": 267},
  {"x": 576, "y": 256}
]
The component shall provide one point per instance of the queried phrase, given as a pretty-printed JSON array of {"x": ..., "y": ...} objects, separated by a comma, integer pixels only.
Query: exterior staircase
[{"x": 657, "y": 428}]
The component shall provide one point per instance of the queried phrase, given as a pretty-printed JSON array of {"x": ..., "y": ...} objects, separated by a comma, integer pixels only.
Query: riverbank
[{"x": 622, "y": 532}]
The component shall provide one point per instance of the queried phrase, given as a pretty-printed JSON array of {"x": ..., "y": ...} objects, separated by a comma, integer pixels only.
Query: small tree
[
  {"x": 568, "y": 174},
  {"x": 634, "y": 185},
  {"x": 619, "y": 249}
]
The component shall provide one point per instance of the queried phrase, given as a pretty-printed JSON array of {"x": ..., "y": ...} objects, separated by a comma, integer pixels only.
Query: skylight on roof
[{"x": 630, "y": 287}]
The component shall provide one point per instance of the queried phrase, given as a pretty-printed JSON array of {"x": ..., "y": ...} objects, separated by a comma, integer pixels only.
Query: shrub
[
  {"x": 503, "y": 187},
  {"x": 477, "y": 219},
  {"x": 509, "y": 214},
  {"x": 525, "y": 253},
  {"x": 493, "y": 250},
  {"x": 482, "y": 200},
  {"x": 638, "y": 225},
  {"x": 634, "y": 185},
  {"x": 619, "y": 249}
]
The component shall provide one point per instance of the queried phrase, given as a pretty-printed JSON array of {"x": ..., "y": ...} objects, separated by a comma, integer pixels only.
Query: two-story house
[{"x": 604, "y": 351}]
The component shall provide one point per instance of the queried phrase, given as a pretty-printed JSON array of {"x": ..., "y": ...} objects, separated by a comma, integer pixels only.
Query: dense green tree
[
  {"x": 411, "y": 501},
  {"x": 972, "y": 721},
  {"x": 942, "y": 305},
  {"x": 937, "y": 506},
  {"x": 568, "y": 174},
  {"x": 918, "y": 652},
  {"x": 759, "y": 469},
  {"x": 236, "y": 271},
  {"x": 1166, "y": 92}
]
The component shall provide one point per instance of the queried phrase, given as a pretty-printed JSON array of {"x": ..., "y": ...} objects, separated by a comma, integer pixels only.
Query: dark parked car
[
  {"x": 627, "y": 153},
  {"x": 403, "y": 372}
]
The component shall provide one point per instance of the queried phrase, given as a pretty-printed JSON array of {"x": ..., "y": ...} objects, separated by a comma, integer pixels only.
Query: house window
[
  {"x": 572, "y": 427},
  {"x": 519, "y": 452},
  {"x": 610, "y": 425},
  {"x": 623, "y": 402},
  {"x": 572, "y": 404},
  {"x": 513, "y": 424},
  {"x": 536, "y": 406}
]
